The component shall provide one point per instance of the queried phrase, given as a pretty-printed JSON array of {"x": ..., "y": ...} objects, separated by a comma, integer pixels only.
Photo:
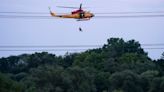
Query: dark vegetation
[{"x": 118, "y": 66}]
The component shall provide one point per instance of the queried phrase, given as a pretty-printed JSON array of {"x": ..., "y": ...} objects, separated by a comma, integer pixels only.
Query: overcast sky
[{"x": 95, "y": 32}]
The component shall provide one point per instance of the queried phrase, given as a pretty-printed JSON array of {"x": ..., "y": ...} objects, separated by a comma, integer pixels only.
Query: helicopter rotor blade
[
  {"x": 72, "y": 7},
  {"x": 67, "y": 7}
]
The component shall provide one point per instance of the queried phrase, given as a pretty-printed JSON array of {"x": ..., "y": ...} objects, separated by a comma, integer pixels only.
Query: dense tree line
[{"x": 119, "y": 66}]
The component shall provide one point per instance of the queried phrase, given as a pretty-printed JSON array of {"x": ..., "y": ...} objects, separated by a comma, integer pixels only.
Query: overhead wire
[
  {"x": 66, "y": 46},
  {"x": 27, "y": 46},
  {"x": 132, "y": 12},
  {"x": 49, "y": 17},
  {"x": 136, "y": 12},
  {"x": 25, "y": 17},
  {"x": 23, "y": 12},
  {"x": 63, "y": 49},
  {"x": 48, "y": 46},
  {"x": 46, "y": 15},
  {"x": 130, "y": 16},
  {"x": 159, "y": 46}
]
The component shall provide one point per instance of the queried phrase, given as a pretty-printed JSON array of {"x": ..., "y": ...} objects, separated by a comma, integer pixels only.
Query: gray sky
[{"x": 95, "y": 32}]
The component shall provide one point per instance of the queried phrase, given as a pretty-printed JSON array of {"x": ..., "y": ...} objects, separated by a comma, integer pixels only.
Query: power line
[
  {"x": 50, "y": 46},
  {"x": 43, "y": 49},
  {"x": 63, "y": 49},
  {"x": 131, "y": 16},
  {"x": 25, "y": 17},
  {"x": 67, "y": 46},
  {"x": 154, "y": 48},
  {"x": 132, "y": 12},
  {"x": 136, "y": 12},
  {"x": 24, "y": 12},
  {"x": 44, "y": 15},
  {"x": 158, "y": 46},
  {"x": 104, "y": 16}
]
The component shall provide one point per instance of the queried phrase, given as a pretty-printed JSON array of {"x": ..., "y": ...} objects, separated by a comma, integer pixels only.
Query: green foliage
[
  {"x": 118, "y": 90},
  {"x": 117, "y": 47},
  {"x": 8, "y": 85},
  {"x": 132, "y": 58},
  {"x": 157, "y": 85},
  {"x": 119, "y": 66},
  {"x": 126, "y": 80},
  {"x": 57, "y": 79},
  {"x": 101, "y": 81},
  {"x": 162, "y": 56}
]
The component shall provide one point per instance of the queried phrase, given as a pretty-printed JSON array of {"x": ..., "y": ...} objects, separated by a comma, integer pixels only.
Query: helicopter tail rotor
[
  {"x": 52, "y": 13},
  {"x": 49, "y": 9}
]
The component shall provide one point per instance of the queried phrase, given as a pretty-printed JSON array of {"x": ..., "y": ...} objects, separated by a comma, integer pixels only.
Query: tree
[
  {"x": 8, "y": 85},
  {"x": 82, "y": 80},
  {"x": 157, "y": 85},
  {"x": 146, "y": 79},
  {"x": 119, "y": 66},
  {"x": 46, "y": 79},
  {"x": 162, "y": 56},
  {"x": 126, "y": 81},
  {"x": 101, "y": 81},
  {"x": 132, "y": 58},
  {"x": 115, "y": 47}
]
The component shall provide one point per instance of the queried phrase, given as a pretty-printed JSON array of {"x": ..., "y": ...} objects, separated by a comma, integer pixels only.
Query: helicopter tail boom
[{"x": 52, "y": 14}]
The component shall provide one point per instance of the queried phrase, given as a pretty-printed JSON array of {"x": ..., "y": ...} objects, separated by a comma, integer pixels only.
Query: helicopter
[{"x": 78, "y": 14}]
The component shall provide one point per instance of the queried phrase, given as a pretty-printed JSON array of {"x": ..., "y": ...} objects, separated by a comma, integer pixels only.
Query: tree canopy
[{"x": 119, "y": 66}]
